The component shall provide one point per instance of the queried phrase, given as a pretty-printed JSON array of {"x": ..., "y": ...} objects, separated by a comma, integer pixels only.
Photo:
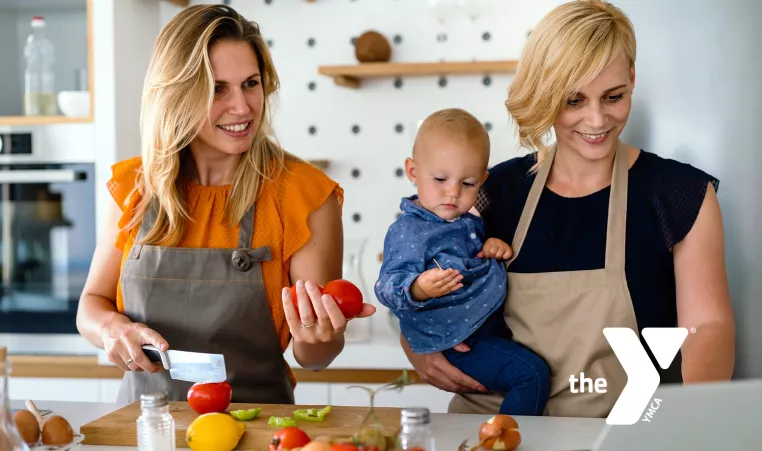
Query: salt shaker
[
  {"x": 415, "y": 431},
  {"x": 156, "y": 427}
]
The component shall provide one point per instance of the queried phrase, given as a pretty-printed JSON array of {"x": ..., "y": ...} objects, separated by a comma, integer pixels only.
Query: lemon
[{"x": 214, "y": 432}]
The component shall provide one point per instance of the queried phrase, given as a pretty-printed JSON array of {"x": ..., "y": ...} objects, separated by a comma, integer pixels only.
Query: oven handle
[{"x": 41, "y": 176}]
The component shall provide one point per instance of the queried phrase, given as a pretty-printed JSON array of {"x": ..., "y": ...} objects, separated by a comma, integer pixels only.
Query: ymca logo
[{"x": 642, "y": 377}]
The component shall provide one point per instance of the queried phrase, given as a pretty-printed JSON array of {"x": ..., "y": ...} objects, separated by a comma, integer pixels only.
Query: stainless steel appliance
[{"x": 47, "y": 238}]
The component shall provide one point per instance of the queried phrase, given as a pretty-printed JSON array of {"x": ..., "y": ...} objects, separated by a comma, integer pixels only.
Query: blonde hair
[
  {"x": 569, "y": 47},
  {"x": 177, "y": 96},
  {"x": 455, "y": 123}
]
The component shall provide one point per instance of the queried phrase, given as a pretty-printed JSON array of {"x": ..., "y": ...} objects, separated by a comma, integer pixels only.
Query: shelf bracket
[{"x": 347, "y": 82}]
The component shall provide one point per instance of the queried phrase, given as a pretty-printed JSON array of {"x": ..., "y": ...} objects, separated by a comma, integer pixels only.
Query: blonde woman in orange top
[{"x": 212, "y": 224}]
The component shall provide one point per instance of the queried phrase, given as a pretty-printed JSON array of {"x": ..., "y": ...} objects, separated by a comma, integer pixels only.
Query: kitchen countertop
[{"x": 538, "y": 433}]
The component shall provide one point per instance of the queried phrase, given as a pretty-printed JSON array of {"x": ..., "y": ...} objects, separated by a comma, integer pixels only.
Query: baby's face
[{"x": 448, "y": 173}]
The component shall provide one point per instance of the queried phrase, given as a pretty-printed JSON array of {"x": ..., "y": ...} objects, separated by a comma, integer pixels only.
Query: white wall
[{"x": 697, "y": 99}]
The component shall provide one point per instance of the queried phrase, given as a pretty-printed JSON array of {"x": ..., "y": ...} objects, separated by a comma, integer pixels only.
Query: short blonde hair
[
  {"x": 569, "y": 47},
  {"x": 458, "y": 124}
]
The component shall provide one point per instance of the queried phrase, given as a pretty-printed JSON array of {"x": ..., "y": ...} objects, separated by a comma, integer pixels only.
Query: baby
[{"x": 442, "y": 279}]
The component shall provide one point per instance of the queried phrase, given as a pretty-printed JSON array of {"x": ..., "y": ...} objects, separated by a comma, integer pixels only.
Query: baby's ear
[
  {"x": 410, "y": 169},
  {"x": 486, "y": 175}
]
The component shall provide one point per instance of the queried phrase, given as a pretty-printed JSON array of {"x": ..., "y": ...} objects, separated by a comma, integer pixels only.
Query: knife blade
[{"x": 189, "y": 366}]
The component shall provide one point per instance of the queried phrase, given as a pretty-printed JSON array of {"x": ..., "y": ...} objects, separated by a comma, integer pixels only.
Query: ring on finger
[
  {"x": 128, "y": 362},
  {"x": 305, "y": 326}
]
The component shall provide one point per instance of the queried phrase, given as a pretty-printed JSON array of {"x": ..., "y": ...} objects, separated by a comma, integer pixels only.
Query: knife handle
[{"x": 156, "y": 355}]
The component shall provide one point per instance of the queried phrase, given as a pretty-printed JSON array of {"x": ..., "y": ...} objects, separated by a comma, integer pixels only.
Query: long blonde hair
[
  {"x": 177, "y": 96},
  {"x": 569, "y": 47}
]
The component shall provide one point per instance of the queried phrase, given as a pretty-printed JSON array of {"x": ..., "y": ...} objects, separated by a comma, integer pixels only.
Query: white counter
[{"x": 538, "y": 433}]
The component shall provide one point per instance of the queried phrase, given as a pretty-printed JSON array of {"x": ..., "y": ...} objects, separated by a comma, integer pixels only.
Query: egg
[
  {"x": 57, "y": 431},
  {"x": 27, "y": 426}
]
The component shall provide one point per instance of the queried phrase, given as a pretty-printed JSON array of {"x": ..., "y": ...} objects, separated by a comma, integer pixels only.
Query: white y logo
[{"x": 642, "y": 377}]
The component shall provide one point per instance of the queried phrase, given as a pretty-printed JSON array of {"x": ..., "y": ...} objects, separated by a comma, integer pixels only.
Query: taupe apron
[
  {"x": 561, "y": 315},
  {"x": 206, "y": 300}
]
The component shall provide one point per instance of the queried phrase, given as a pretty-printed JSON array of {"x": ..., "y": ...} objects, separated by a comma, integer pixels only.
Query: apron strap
[
  {"x": 148, "y": 220},
  {"x": 245, "y": 231},
  {"x": 531, "y": 203},
  {"x": 616, "y": 227}
]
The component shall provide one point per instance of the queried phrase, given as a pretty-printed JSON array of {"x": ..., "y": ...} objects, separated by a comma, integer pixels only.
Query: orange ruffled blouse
[{"x": 280, "y": 221}]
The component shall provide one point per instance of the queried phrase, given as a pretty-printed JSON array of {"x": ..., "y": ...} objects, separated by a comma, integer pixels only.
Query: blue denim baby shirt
[{"x": 412, "y": 242}]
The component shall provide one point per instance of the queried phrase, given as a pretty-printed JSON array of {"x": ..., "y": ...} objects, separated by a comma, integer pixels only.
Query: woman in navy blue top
[
  {"x": 605, "y": 235},
  {"x": 569, "y": 234}
]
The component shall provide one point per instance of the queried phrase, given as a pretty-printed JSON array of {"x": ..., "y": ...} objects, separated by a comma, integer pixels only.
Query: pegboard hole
[
  {"x": 355, "y": 129},
  {"x": 442, "y": 82},
  {"x": 311, "y": 86},
  {"x": 486, "y": 36},
  {"x": 311, "y": 42},
  {"x": 355, "y": 173},
  {"x": 356, "y": 217},
  {"x": 312, "y": 130},
  {"x": 488, "y": 126},
  {"x": 441, "y": 37},
  {"x": 270, "y": 43},
  {"x": 487, "y": 80},
  {"x": 398, "y": 83},
  {"x": 399, "y": 128},
  {"x": 398, "y": 39},
  {"x": 399, "y": 172}
]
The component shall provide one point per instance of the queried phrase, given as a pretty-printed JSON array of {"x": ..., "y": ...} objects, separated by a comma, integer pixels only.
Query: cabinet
[{"x": 68, "y": 25}]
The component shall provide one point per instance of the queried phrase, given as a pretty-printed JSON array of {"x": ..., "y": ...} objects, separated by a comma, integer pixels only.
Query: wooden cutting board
[{"x": 119, "y": 428}]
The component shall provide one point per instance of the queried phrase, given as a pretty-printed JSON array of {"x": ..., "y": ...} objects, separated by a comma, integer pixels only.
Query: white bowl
[{"x": 74, "y": 103}]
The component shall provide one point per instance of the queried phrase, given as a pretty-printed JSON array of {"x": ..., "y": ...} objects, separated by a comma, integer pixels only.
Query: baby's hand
[
  {"x": 495, "y": 248},
  {"x": 435, "y": 283}
]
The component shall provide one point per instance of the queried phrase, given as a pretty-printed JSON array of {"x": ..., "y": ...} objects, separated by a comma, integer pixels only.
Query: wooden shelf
[
  {"x": 351, "y": 76},
  {"x": 42, "y": 120}
]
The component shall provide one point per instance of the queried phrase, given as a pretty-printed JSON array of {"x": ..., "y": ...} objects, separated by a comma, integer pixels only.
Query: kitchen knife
[{"x": 189, "y": 366}]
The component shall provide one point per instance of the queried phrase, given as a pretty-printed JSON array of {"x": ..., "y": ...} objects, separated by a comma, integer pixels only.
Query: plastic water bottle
[
  {"x": 39, "y": 83},
  {"x": 415, "y": 432},
  {"x": 156, "y": 427}
]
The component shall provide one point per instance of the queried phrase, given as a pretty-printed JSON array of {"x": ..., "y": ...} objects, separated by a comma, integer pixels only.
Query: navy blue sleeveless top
[{"x": 568, "y": 234}]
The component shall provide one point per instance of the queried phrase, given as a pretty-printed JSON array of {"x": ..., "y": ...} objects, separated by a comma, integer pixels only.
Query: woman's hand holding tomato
[{"x": 318, "y": 314}]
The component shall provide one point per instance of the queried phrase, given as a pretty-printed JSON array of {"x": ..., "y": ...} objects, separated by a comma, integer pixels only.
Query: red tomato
[
  {"x": 296, "y": 302},
  {"x": 348, "y": 446},
  {"x": 347, "y": 296},
  {"x": 287, "y": 438},
  {"x": 210, "y": 397}
]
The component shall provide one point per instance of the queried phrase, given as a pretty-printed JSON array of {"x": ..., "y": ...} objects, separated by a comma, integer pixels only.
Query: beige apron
[
  {"x": 206, "y": 300},
  {"x": 561, "y": 315}
]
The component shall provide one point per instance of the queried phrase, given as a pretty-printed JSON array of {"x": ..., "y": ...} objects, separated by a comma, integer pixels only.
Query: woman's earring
[{"x": 414, "y": 185}]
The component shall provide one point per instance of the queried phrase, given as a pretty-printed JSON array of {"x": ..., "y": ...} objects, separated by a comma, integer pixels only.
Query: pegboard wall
[{"x": 367, "y": 133}]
